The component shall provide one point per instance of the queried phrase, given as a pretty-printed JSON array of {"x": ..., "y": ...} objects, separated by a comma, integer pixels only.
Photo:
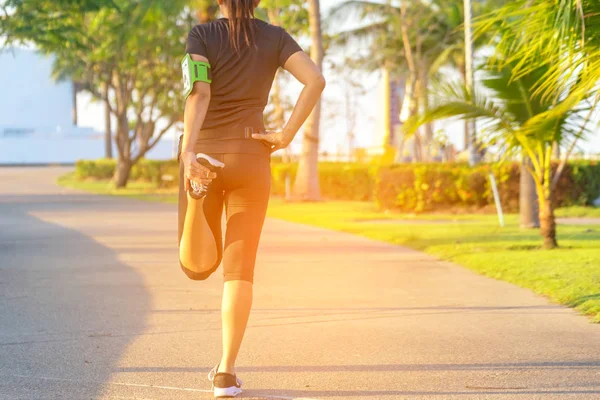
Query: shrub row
[
  {"x": 406, "y": 187},
  {"x": 145, "y": 170},
  {"x": 340, "y": 181}
]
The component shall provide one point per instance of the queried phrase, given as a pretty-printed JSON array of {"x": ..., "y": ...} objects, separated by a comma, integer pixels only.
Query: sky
[{"x": 368, "y": 110}]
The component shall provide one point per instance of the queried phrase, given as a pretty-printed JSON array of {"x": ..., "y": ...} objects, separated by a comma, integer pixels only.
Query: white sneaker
[
  {"x": 199, "y": 190},
  {"x": 224, "y": 385}
]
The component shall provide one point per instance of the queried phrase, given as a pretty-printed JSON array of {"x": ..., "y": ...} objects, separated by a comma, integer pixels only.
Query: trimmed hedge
[
  {"x": 341, "y": 181},
  {"x": 427, "y": 187},
  {"x": 96, "y": 169},
  {"x": 406, "y": 187},
  {"x": 145, "y": 170}
]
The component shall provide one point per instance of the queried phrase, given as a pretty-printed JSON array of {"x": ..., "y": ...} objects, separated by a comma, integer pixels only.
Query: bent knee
[
  {"x": 196, "y": 276},
  {"x": 199, "y": 271}
]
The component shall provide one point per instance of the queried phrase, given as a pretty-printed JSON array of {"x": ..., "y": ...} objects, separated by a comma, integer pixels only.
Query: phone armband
[{"x": 193, "y": 71}]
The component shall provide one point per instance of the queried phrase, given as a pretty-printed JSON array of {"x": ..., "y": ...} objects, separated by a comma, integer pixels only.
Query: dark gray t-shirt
[{"x": 240, "y": 81}]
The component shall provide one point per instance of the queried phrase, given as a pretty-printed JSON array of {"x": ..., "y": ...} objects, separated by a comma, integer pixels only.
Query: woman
[{"x": 224, "y": 121}]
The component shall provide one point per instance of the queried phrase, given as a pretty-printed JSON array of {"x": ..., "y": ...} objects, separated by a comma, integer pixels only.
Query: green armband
[{"x": 193, "y": 71}]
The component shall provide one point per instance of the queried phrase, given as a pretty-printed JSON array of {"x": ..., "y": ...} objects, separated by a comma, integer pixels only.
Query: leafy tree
[
  {"x": 412, "y": 40},
  {"x": 559, "y": 35},
  {"x": 531, "y": 33},
  {"x": 55, "y": 28},
  {"x": 146, "y": 78},
  {"x": 517, "y": 120},
  {"x": 405, "y": 39},
  {"x": 130, "y": 49}
]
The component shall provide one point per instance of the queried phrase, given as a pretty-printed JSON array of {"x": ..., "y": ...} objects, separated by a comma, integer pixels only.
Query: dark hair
[{"x": 241, "y": 24}]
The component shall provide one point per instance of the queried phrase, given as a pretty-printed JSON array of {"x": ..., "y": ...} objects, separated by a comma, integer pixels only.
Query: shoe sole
[
  {"x": 213, "y": 165},
  {"x": 212, "y": 161},
  {"x": 229, "y": 392}
]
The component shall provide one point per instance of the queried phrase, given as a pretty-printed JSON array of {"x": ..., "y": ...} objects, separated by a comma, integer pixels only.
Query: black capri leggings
[{"x": 243, "y": 186}]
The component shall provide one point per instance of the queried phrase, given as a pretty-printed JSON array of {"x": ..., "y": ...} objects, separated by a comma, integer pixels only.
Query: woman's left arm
[{"x": 196, "y": 106}]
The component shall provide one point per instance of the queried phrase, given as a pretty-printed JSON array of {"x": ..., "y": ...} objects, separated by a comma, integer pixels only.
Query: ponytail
[{"x": 241, "y": 24}]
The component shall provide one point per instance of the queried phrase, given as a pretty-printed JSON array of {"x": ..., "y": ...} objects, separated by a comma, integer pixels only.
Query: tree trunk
[
  {"x": 124, "y": 162},
  {"x": 122, "y": 173},
  {"x": 556, "y": 150},
  {"x": 547, "y": 221},
  {"x": 467, "y": 136},
  {"x": 405, "y": 112},
  {"x": 409, "y": 109},
  {"x": 413, "y": 105},
  {"x": 107, "y": 128},
  {"x": 463, "y": 72},
  {"x": 74, "y": 100},
  {"x": 417, "y": 146},
  {"x": 306, "y": 185},
  {"x": 528, "y": 209},
  {"x": 427, "y": 147}
]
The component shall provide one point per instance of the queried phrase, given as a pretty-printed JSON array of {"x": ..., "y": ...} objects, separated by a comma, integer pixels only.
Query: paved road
[{"x": 93, "y": 306}]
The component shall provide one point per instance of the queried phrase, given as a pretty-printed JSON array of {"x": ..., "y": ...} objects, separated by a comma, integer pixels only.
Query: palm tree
[
  {"x": 533, "y": 34},
  {"x": 306, "y": 185},
  {"x": 431, "y": 30},
  {"x": 518, "y": 120},
  {"x": 414, "y": 40}
]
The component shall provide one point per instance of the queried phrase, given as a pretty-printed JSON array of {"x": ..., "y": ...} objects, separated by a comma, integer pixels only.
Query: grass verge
[{"x": 569, "y": 275}]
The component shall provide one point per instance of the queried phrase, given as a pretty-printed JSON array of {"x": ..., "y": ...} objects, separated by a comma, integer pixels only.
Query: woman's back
[{"x": 241, "y": 80}]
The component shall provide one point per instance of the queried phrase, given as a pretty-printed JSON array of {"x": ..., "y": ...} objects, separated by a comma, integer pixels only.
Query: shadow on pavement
[{"x": 65, "y": 300}]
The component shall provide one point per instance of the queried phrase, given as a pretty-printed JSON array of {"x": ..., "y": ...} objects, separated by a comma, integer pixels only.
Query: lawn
[
  {"x": 136, "y": 190},
  {"x": 568, "y": 275}
]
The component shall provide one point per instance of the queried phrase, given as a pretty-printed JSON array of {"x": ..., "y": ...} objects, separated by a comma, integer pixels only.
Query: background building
[{"x": 36, "y": 115}]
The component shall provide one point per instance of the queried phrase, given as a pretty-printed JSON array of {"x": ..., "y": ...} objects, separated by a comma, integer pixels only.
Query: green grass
[
  {"x": 579, "y": 212},
  {"x": 568, "y": 275},
  {"x": 136, "y": 190}
]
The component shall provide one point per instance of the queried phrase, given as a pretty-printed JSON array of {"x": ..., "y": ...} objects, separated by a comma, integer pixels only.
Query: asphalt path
[{"x": 93, "y": 306}]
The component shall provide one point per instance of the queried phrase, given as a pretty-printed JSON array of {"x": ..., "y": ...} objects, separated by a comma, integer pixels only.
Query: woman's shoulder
[
  {"x": 207, "y": 26},
  {"x": 221, "y": 24},
  {"x": 266, "y": 25}
]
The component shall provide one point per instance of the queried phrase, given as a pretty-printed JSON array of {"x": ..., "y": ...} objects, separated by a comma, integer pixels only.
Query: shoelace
[{"x": 213, "y": 372}]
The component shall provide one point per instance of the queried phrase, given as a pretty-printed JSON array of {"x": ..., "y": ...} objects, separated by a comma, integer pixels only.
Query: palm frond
[
  {"x": 460, "y": 104},
  {"x": 444, "y": 57},
  {"x": 361, "y": 35},
  {"x": 360, "y": 9}
]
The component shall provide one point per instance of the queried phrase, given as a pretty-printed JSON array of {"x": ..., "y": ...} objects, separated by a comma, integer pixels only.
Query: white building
[{"x": 36, "y": 115}]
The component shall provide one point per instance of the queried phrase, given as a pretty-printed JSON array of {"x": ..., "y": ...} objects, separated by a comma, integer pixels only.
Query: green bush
[
  {"x": 98, "y": 169},
  {"x": 405, "y": 187},
  {"x": 339, "y": 181},
  {"x": 145, "y": 170},
  {"x": 427, "y": 187},
  {"x": 346, "y": 181},
  {"x": 279, "y": 172},
  {"x": 579, "y": 184}
]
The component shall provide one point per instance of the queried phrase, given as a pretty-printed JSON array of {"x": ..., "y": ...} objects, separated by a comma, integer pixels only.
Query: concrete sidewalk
[{"x": 93, "y": 306}]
